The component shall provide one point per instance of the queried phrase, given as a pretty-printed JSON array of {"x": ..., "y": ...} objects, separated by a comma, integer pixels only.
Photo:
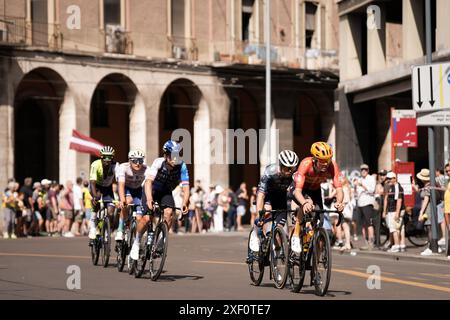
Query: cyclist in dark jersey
[
  {"x": 165, "y": 174},
  {"x": 272, "y": 193}
]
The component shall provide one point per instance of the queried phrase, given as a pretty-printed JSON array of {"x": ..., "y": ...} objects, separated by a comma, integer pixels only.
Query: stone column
[
  {"x": 413, "y": 29},
  {"x": 350, "y": 47},
  {"x": 6, "y": 123}
]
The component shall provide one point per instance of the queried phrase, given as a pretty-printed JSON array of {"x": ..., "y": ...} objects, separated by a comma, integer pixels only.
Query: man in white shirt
[
  {"x": 78, "y": 205},
  {"x": 365, "y": 190}
]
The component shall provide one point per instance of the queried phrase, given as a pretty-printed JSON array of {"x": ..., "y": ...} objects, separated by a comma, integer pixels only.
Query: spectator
[
  {"x": 67, "y": 209},
  {"x": 222, "y": 207},
  {"x": 393, "y": 211},
  {"x": 177, "y": 194},
  {"x": 43, "y": 202},
  {"x": 425, "y": 210},
  {"x": 51, "y": 222},
  {"x": 78, "y": 205},
  {"x": 253, "y": 212},
  {"x": 349, "y": 203},
  {"x": 20, "y": 214},
  {"x": 231, "y": 213},
  {"x": 447, "y": 205},
  {"x": 28, "y": 205},
  {"x": 38, "y": 222},
  {"x": 197, "y": 198},
  {"x": 211, "y": 205},
  {"x": 365, "y": 188},
  {"x": 9, "y": 211},
  {"x": 379, "y": 203},
  {"x": 242, "y": 197},
  {"x": 87, "y": 200}
]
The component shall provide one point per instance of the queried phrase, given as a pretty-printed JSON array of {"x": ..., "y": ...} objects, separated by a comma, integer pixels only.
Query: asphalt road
[{"x": 198, "y": 267}]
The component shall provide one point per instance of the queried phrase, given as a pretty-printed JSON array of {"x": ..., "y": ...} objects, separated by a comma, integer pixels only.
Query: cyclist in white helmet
[
  {"x": 272, "y": 193},
  {"x": 131, "y": 176}
]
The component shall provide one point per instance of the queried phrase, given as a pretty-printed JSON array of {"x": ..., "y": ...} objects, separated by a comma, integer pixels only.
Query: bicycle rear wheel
[
  {"x": 106, "y": 241},
  {"x": 141, "y": 262},
  {"x": 297, "y": 267},
  {"x": 279, "y": 254},
  {"x": 321, "y": 268},
  {"x": 158, "y": 250},
  {"x": 256, "y": 264},
  {"x": 419, "y": 238}
]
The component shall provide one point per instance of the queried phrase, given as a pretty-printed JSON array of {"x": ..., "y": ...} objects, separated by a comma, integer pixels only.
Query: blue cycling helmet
[{"x": 171, "y": 147}]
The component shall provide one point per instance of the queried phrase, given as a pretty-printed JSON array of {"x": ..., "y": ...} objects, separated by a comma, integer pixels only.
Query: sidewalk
[{"x": 412, "y": 253}]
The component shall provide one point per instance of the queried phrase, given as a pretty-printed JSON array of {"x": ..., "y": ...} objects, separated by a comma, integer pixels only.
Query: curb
[{"x": 401, "y": 256}]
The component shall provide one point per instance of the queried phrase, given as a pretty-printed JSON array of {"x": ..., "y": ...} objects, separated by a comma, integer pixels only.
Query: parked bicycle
[
  {"x": 101, "y": 245},
  {"x": 153, "y": 245},
  {"x": 273, "y": 251},
  {"x": 315, "y": 253}
]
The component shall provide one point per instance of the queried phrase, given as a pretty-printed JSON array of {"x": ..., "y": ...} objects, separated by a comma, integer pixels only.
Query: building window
[
  {"x": 111, "y": 9},
  {"x": 247, "y": 12},
  {"x": 310, "y": 23},
  {"x": 100, "y": 116},
  {"x": 177, "y": 21}
]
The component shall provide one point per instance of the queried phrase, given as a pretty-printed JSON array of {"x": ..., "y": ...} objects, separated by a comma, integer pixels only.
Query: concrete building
[
  {"x": 128, "y": 73},
  {"x": 375, "y": 75}
]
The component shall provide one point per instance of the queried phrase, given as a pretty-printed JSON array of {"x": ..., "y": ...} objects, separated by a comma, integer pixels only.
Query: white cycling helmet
[
  {"x": 288, "y": 158},
  {"x": 136, "y": 154}
]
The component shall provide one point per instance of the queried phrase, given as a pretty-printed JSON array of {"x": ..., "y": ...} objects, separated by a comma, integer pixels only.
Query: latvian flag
[{"x": 82, "y": 143}]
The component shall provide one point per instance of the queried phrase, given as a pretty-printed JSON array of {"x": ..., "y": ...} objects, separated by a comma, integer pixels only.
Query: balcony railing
[{"x": 12, "y": 30}]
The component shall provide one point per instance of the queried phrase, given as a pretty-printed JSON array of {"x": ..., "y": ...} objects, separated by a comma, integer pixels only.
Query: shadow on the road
[
  {"x": 330, "y": 293},
  {"x": 172, "y": 277}
]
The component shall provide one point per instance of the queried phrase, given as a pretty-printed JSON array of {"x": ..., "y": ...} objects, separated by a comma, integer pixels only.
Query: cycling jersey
[
  {"x": 273, "y": 181},
  {"x": 166, "y": 179},
  {"x": 308, "y": 178},
  {"x": 101, "y": 178},
  {"x": 133, "y": 179}
]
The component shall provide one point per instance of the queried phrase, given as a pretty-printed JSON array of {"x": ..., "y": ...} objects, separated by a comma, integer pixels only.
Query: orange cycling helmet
[{"x": 321, "y": 150}]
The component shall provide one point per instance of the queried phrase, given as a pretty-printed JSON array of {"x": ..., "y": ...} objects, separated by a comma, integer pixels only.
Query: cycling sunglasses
[
  {"x": 137, "y": 161},
  {"x": 108, "y": 159}
]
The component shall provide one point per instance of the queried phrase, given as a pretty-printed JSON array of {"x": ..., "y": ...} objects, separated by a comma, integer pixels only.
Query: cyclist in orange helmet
[{"x": 311, "y": 172}]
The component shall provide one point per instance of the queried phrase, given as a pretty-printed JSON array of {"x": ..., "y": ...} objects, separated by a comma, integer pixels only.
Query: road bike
[
  {"x": 315, "y": 253},
  {"x": 101, "y": 245},
  {"x": 273, "y": 251},
  {"x": 153, "y": 245},
  {"x": 123, "y": 247}
]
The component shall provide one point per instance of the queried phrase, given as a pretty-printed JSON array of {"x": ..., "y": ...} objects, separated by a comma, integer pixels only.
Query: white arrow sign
[{"x": 431, "y": 87}]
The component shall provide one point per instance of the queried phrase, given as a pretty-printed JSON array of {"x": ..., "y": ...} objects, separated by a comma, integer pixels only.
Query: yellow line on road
[
  {"x": 444, "y": 276},
  {"x": 219, "y": 262},
  {"x": 42, "y": 255},
  {"x": 394, "y": 280}
]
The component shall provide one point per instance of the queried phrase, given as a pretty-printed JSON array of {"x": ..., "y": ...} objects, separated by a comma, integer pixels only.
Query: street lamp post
[{"x": 268, "y": 79}]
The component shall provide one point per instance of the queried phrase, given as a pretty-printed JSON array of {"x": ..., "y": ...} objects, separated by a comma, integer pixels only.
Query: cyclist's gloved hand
[
  {"x": 122, "y": 204},
  {"x": 150, "y": 205},
  {"x": 308, "y": 207}
]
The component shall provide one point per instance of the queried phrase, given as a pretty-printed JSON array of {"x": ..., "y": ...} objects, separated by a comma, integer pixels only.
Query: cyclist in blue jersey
[{"x": 165, "y": 174}]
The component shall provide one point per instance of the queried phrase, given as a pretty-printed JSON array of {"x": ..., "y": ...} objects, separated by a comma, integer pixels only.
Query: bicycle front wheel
[
  {"x": 279, "y": 254},
  {"x": 142, "y": 260},
  {"x": 95, "y": 252},
  {"x": 106, "y": 241},
  {"x": 255, "y": 264},
  {"x": 297, "y": 267},
  {"x": 321, "y": 270},
  {"x": 130, "y": 262},
  {"x": 158, "y": 251}
]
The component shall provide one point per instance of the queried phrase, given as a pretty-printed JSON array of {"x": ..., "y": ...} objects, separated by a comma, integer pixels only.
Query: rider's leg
[{"x": 168, "y": 216}]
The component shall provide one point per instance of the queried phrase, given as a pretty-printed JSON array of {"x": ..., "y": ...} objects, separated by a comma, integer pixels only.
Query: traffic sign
[
  {"x": 431, "y": 87},
  {"x": 436, "y": 118},
  {"x": 404, "y": 128}
]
